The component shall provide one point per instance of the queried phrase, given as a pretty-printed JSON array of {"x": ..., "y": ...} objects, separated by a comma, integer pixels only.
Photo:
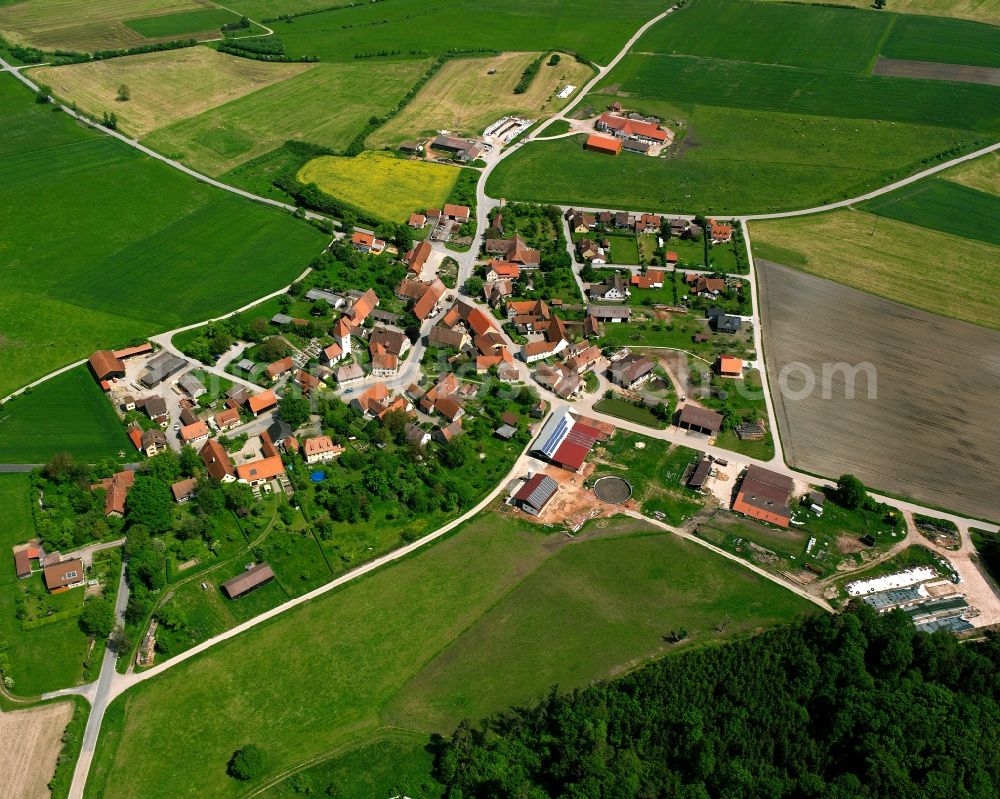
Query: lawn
[
  {"x": 950, "y": 41},
  {"x": 327, "y": 105},
  {"x": 405, "y": 646},
  {"x": 934, "y": 271},
  {"x": 93, "y": 25},
  {"x": 163, "y": 87},
  {"x": 380, "y": 184},
  {"x": 771, "y": 34},
  {"x": 206, "y": 22},
  {"x": 68, "y": 413},
  {"x": 464, "y": 97},
  {"x": 624, "y": 249},
  {"x": 143, "y": 248},
  {"x": 404, "y": 28},
  {"x": 938, "y": 204},
  {"x": 626, "y": 410}
]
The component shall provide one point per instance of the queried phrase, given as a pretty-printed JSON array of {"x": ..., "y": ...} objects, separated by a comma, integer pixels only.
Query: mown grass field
[
  {"x": 464, "y": 98},
  {"x": 84, "y": 26},
  {"x": 183, "y": 24},
  {"x": 950, "y": 41},
  {"x": 68, "y": 413},
  {"x": 943, "y": 205},
  {"x": 381, "y": 184},
  {"x": 982, "y": 174},
  {"x": 626, "y": 410},
  {"x": 980, "y": 10},
  {"x": 926, "y": 269},
  {"x": 50, "y": 656},
  {"x": 771, "y": 34},
  {"x": 327, "y": 105},
  {"x": 164, "y": 87},
  {"x": 758, "y": 137},
  {"x": 413, "y": 27},
  {"x": 102, "y": 244},
  {"x": 460, "y": 629}
]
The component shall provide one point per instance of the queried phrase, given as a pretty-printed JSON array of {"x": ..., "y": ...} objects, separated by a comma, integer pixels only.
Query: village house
[
  {"x": 155, "y": 407},
  {"x": 307, "y": 382},
  {"x": 279, "y": 368},
  {"x": 497, "y": 291},
  {"x": 64, "y": 575},
  {"x": 417, "y": 221},
  {"x": 264, "y": 469},
  {"x": 384, "y": 364},
  {"x": 153, "y": 442},
  {"x": 366, "y": 242},
  {"x": 613, "y": 288},
  {"x": 226, "y": 420},
  {"x": 580, "y": 222},
  {"x": 721, "y": 322},
  {"x": 502, "y": 270},
  {"x": 702, "y": 286},
  {"x": 678, "y": 226},
  {"x": 279, "y": 431},
  {"x": 361, "y": 308},
  {"x": 583, "y": 357},
  {"x": 184, "y": 490},
  {"x": 631, "y": 370},
  {"x": 455, "y": 338},
  {"x": 348, "y": 374},
  {"x": 513, "y": 251},
  {"x": 449, "y": 408},
  {"x": 415, "y": 436},
  {"x": 527, "y": 315},
  {"x": 194, "y": 433},
  {"x": 455, "y": 213},
  {"x": 653, "y": 279},
  {"x": 320, "y": 449},
  {"x": 719, "y": 233},
  {"x": 729, "y": 366},
  {"x": 383, "y": 339},
  {"x": 417, "y": 257},
  {"x": 116, "y": 490},
  {"x": 449, "y": 432},
  {"x": 217, "y": 462},
  {"x": 558, "y": 378},
  {"x": 592, "y": 251},
  {"x": 765, "y": 495}
]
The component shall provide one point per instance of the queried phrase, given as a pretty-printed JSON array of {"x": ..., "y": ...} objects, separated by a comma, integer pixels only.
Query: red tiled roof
[
  {"x": 216, "y": 460},
  {"x": 263, "y": 401},
  {"x": 603, "y": 144}
]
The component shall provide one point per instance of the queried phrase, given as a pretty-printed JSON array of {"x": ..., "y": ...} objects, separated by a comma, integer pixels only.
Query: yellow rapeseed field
[{"x": 381, "y": 184}]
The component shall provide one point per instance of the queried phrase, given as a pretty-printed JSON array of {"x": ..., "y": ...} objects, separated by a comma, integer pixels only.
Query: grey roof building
[{"x": 161, "y": 367}]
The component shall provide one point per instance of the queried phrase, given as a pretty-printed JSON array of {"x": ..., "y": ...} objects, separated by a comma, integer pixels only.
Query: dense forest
[{"x": 846, "y": 706}]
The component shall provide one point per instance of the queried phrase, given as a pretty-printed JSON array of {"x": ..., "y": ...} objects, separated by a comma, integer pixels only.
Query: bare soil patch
[
  {"x": 30, "y": 742},
  {"x": 927, "y": 433},
  {"x": 929, "y": 70}
]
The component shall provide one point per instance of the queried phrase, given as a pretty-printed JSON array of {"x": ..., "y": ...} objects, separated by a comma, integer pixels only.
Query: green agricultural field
[
  {"x": 950, "y": 41},
  {"x": 942, "y": 205},
  {"x": 924, "y": 268},
  {"x": 757, "y": 137},
  {"x": 771, "y": 34},
  {"x": 380, "y": 184},
  {"x": 327, "y": 105},
  {"x": 981, "y": 10},
  {"x": 183, "y": 24},
  {"x": 68, "y": 413},
  {"x": 103, "y": 244},
  {"x": 406, "y": 646},
  {"x": 404, "y": 28}
]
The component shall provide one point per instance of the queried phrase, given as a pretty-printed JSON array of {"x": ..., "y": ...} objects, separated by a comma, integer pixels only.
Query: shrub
[{"x": 246, "y": 763}]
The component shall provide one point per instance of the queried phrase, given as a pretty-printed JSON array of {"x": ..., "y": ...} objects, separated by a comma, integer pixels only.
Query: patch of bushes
[
  {"x": 528, "y": 75},
  {"x": 269, "y": 48}
]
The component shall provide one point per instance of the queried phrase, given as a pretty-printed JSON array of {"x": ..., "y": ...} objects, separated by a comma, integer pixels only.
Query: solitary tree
[
  {"x": 851, "y": 491},
  {"x": 98, "y": 618},
  {"x": 124, "y": 95},
  {"x": 246, "y": 763},
  {"x": 474, "y": 286}
]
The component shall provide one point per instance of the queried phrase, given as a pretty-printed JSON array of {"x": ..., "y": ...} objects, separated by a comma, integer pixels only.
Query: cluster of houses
[
  {"x": 58, "y": 573},
  {"x": 441, "y": 221},
  {"x": 453, "y": 148}
]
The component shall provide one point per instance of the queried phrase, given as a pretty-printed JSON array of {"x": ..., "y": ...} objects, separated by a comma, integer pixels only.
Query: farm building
[
  {"x": 631, "y": 370},
  {"x": 565, "y": 442},
  {"x": 254, "y": 577},
  {"x": 634, "y": 129},
  {"x": 764, "y": 495},
  {"x": 700, "y": 474},
  {"x": 105, "y": 366},
  {"x": 602, "y": 144},
  {"x": 462, "y": 149},
  {"x": 264, "y": 401},
  {"x": 700, "y": 420},
  {"x": 417, "y": 257},
  {"x": 536, "y": 493},
  {"x": 163, "y": 366},
  {"x": 192, "y": 385},
  {"x": 607, "y": 313}
]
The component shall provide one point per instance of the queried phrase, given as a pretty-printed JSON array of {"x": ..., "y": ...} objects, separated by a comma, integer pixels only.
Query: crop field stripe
[
  {"x": 208, "y": 21},
  {"x": 947, "y": 41}
]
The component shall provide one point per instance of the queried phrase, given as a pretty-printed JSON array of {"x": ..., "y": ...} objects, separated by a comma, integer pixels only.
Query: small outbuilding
[
  {"x": 253, "y": 578},
  {"x": 536, "y": 493}
]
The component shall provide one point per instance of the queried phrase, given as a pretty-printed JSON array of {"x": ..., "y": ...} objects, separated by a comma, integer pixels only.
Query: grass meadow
[
  {"x": 982, "y": 173},
  {"x": 464, "y": 97},
  {"x": 206, "y": 22},
  {"x": 413, "y": 28},
  {"x": 47, "y": 657},
  {"x": 942, "y": 205},
  {"x": 164, "y": 87},
  {"x": 916, "y": 266},
  {"x": 978, "y": 10},
  {"x": 786, "y": 120},
  {"x": 68, "y": 413},
  {"x": 103, "y": 244},
  {"x": 327, "y": 105},
  {"x": 93, "y": 25},
  {"x": 461, "y": 629},
  {"x": 381, "y": 184}
]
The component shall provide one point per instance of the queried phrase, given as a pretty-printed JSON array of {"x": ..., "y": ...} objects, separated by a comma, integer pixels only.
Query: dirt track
[
  {"x": 30, "y": 741},
  {"x": 930, "y": 70},
  {"x": 929, "y": 431}
]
